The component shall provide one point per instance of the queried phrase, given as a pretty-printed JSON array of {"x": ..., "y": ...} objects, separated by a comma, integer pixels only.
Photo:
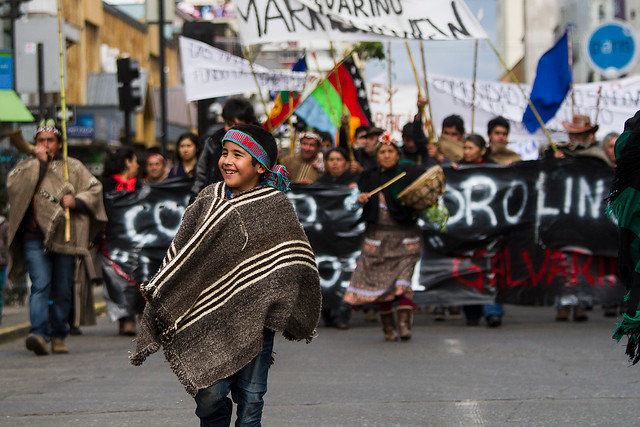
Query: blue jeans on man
[
  {"x": 51, "y": 277},
  {"x": 247, "y": 386}
]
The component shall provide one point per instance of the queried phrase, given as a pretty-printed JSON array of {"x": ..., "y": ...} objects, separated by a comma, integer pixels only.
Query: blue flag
[{"x": 552, "y": 83}]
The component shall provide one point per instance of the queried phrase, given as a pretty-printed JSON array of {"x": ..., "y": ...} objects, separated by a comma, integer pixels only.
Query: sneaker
[
  {"x": 37, "y": 344},
  {"x": 439, "y": 314}
]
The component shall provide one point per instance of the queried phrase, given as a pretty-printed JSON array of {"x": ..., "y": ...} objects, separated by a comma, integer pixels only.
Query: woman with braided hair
[{"x": 624, "y": 204}]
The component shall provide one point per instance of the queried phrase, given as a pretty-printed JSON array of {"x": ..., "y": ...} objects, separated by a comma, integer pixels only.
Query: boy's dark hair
[
  {"x": 193, "y": 138},
  {"x": 238, "y": 107},
  {"x": 498, "y": 121},
  {"x": 455, "y": 121},
  {"x": 264, "y": 138}
]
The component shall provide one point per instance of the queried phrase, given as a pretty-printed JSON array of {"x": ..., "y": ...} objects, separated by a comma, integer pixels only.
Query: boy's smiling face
[{"x": 237, "y": 169}]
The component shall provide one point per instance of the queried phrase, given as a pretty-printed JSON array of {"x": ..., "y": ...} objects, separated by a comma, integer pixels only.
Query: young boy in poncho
[{"x": 239, "y": 268}]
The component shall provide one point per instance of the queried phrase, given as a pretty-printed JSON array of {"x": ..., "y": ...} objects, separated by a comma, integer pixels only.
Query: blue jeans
[
  {"x": 51, "y": 289},
  {"x": 247, "y": 387}
]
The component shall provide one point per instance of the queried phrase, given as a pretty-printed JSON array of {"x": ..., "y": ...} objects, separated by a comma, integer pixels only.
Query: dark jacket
[
  {"x": 207, "y": 171},
  {"x": 345, "y": 179},
  {"x": 373, "y": 178}
]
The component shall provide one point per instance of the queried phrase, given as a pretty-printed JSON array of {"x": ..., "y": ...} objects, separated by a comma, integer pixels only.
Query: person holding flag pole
[{"x": 56, "y": 210}]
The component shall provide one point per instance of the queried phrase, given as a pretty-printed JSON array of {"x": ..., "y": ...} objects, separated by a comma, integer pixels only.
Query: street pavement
[{"x": 532, "y": 371}]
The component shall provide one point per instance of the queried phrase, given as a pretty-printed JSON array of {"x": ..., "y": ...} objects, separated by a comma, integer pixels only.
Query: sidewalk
[{"x": 15, "y": 318}]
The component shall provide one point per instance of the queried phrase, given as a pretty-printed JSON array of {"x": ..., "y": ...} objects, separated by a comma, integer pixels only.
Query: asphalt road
[{"x": 531, "y": 371}]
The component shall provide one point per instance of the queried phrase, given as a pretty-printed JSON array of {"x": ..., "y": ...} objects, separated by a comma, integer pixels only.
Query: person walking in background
[
  {"x": 155, "y": 169},
  {"x": 337, "y": 169},
  {"x": 38, "y": 195},
  {"x": 122, "y": 297},
  {"x": 476, "y": 152},
  {"x": 608, "y": 146},
  {"x": 392, "y": 243},
  {"x": 306, "y": 166},
  {"x": 187, "y": 151},
  {"x": 4, "y": 259},
  {"x": 498, "y": 133},
  {"x": 576, "y": 295},
  {"x": 236, "y": 110},
  {"x": 120, "y": 171}
]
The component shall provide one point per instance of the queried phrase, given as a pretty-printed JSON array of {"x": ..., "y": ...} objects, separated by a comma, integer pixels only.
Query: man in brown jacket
[{"x": 38, "y": 196}]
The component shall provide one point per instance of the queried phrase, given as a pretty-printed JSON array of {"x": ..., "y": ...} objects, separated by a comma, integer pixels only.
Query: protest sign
[
  {"x": 508, "y": 236},
  {"x": 619, "y": 100},
  {"x": 268, "y": 21},
  {"x": 210, "y": 72}
]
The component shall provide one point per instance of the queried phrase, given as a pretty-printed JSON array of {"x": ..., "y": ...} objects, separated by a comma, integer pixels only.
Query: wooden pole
[
  {"x": 415, "y": 72},
  {"x": 598, "y": 105},
  {"x": 570, "y": 43},
  {"x": 324, "y": 83},
  {"x": 292, "y": 132},
  {"x": 390, "y": 86},
  {"x": 247, "y": 53},
  {"x": 431, "y": 133},
  {"x": 335, "y": 70},
  {"x": 473, "y": 97},
  {"x": 386, "y": 184},
  {"x": 533, "y": 108},
  {"x": 63, "y": 106}
]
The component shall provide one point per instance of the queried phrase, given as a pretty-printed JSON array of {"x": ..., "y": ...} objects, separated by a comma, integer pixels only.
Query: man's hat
[{"x": 580, "y": 123}]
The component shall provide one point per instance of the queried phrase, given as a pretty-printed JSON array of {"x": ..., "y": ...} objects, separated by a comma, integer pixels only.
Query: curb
[{"x": 21, "y": 330}]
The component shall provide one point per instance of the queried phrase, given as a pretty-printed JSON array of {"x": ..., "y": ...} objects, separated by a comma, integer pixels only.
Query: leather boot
[
  {"x": 405, "y": 320},
  {"x": 389, "y": 326},
  {"x": 58, "y": 346},
  {"x": 127, "y": 327}
]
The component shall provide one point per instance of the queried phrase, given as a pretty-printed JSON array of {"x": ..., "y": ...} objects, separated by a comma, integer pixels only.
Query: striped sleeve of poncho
[{"x": 235, "y": 267}]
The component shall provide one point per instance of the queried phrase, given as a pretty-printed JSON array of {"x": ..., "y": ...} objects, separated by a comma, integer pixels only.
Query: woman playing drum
[{"x": 392, "y": 242}]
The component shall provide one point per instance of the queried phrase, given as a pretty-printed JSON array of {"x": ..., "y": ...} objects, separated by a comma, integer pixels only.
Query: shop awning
[{"x": 12, "y": 109}]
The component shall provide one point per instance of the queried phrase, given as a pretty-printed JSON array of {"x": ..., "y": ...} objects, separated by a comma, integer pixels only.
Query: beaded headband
[
  {"x": 48, "y": 125},
  {"x": 278, "y": 177}
]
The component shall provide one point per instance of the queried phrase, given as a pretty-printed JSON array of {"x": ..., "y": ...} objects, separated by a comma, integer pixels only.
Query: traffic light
[{"x": 129, "y": 91}]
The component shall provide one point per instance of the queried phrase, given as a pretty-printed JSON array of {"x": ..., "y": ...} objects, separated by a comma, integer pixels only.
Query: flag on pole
[
  {"x": 552, "y": 83},
  {"x": 323, "y": 107},
  {"x": 281, "y": 109}
]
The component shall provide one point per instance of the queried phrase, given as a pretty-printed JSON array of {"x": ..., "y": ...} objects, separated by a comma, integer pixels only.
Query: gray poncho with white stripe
[{"x": 235, "y": 267}]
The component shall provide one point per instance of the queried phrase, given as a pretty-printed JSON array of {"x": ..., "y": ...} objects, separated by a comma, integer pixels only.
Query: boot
[
  {"x": 405, "y": 320},
  {"x": 58, "y": 346},
  {"x": 562, "y": 313},
  {"x": 127, "y": 327},
  {"x": 37, "y": 344},
  {"x": 389, "y": 326},
  {"x": 579, "y": 314}
]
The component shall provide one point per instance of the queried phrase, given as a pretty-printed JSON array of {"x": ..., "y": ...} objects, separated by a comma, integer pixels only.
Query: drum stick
[{"x": 386, "y": 184}]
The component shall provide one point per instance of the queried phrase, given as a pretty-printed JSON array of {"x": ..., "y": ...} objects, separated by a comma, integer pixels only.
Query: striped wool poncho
[{"x": 235, "y": 267}]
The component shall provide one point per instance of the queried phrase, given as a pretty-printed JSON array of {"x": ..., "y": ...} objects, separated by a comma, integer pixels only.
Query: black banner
[{"x": 522, "y": 234}]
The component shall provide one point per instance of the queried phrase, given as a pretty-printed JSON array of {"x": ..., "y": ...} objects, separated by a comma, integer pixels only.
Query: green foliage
[
  {"x": 439, "y": 215},
  {"x": 367, "y": 50}
]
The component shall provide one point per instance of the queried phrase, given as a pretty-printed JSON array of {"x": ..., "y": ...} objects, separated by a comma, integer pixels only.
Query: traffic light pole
[
  {"x": 163, "y": 81},
  {"x": 127, "y": 128}
]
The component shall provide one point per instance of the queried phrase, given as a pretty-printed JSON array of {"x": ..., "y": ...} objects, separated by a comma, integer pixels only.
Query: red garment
[{"x": 127, "y": 185}]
